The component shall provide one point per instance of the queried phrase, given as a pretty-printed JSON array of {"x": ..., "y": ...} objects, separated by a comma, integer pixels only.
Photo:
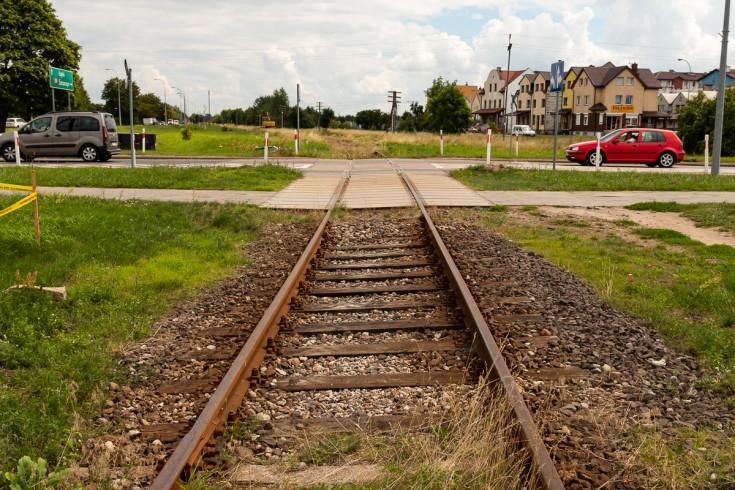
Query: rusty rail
[
  {"x": 541, "y": 460},
  {"x": 236, "y": 382}
]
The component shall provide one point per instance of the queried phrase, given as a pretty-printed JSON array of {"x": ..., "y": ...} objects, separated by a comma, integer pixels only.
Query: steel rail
[
  {"x": 236, "y": 382},
  {"x": 541, "y": 460}
]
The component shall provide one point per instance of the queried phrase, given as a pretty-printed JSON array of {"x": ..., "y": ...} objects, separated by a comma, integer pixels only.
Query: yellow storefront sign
[{"x": 622, "y": 108}]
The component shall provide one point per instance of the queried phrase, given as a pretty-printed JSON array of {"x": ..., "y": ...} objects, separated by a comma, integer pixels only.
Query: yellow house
[
  {"x": 567, "y": 98},
  {"x": 606, "y": 98}
]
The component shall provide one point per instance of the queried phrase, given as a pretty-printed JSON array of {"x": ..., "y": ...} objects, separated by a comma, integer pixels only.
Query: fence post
[
  {"x": 597, "y": 159},
  {"x": 441, "y": 142},
  {"x": 35, "y": 208},
  {"x": 296, "y": 140},
  {"x": 142, "y": 138},
  {"x": 489, "y": 144},
  {"x": 706, "y": 152},
  {"x": 265, "y": 150},
  {"x": 516, "y": 146},
  {"x": 16, "y": 138}
]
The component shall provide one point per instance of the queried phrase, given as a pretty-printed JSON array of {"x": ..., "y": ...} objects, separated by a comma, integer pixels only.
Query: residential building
[
  {"x": 710, "y": 80},
  {"x": 606, "y": 98},
  {"x": 472, "y": 97},
  {"x": 567, "y": 100},
  {"x": 674, "y": 81},
  {"x": 496, "y": 85},
  {"x": 670, "y": 102}
]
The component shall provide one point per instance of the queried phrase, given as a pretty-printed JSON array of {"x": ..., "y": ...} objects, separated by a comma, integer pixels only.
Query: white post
[
  {"x": 17, "y": 147},
  {"x": 516, "y": 146},
  {"x": 296, "y": 140},
  {"x": 441, "y": 142},
  {"x": 597, "y": 159},
  {"x": 489, "y": 144},
  {"x": 266, "y": 148},
  {"x": 706, "y": 151},
  {"x": 142, "y": 146}
]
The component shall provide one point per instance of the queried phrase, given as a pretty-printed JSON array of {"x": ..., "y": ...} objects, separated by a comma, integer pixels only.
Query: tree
[
  {"x": 326, "y": 117},
  {"x": 31, "y": 39},
  {"x": 271, "y": 104},
  {"x": 437, "y": 86},
  {"x": 447, "y": 108},
  {"x": 372, "y": 119},
  {"x": 109, "y": 95},
  {"x": 148, "y": 105}
]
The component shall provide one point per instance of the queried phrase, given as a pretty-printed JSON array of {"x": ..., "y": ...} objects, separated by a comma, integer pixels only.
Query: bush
[{"x": 187, "y": 132}]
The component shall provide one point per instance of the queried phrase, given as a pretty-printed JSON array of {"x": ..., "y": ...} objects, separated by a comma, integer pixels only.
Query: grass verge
[
  {"x": 124, "y": 263},
  {"x": 265, "y": 177},
  {"x": 503, "y": 178},
  {"x": 678, "y": 286}
]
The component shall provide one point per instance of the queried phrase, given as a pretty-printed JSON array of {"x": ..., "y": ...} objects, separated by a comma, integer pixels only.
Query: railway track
[{"x": 360, "y": 292}]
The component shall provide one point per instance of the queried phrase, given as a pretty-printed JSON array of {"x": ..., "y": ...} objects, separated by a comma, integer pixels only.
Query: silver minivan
[{"x": 91, "y": 135}]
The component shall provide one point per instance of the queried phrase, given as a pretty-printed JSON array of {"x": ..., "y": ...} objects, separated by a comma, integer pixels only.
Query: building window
[
  {"x": 579, "y": 100},
  {"x": 528, "y": 104},
  {"x": 602, "y": 117},
  {"x": 630, "y": 80},
  {"x": 586, "y": 119},
  {"x": 577, "y": 118},
  {"x": 569, "y": 84},
  {"x": 618, "y": 99},
  {"x": 534, "y": 103},
  {"x": 620, "y": 80},
  {"x": 543, "y": 102},
  {"x": 629, "y": 99},
  {"x": 586, "y": 100},
  {"x": 566, "y": 101}
]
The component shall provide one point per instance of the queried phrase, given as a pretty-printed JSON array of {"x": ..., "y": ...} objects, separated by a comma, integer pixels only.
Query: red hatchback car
[{"x": 632, "y": 145}]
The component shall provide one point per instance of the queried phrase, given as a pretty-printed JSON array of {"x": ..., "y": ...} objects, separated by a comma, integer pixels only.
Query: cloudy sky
[{"x": 350, "y": 54}]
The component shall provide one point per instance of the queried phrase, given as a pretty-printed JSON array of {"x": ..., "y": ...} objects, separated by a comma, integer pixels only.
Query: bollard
[
  {"x": 441, "y": 142},
  {"x": 16, "y": 138},
  {"x": 296, "y": 140},
  {"x": 706, "y": 152},
  {"x": 597, "y": 159},
  {"x": 516, "y": 146},
  {"x": 142, "y": 146},
  {"x": 265, "y": 150},
  {"x": 489, "y": 144}
]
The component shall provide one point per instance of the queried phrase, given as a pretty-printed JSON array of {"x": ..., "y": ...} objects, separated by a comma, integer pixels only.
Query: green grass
[
  {"x": 708, "y": 215},
  {"x": 482, "y": 178},
  {"x": 124, "y": 263},
  {"x": 266, "y": 177},
  {"x": 679, "y": 286}
]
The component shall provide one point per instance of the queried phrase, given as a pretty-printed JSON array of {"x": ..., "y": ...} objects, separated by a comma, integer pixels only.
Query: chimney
[
  {"x": 634, "y": 68},
  {"x": 499, "y": 68}
]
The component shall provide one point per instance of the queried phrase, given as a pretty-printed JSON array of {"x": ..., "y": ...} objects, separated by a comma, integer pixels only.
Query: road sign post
[
  {"x": 556, "y": 85},
  {"x": 62, "y": 80}
]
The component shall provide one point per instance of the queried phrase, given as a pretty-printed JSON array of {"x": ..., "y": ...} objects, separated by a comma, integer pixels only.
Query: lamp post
[
  {"x": 165, "y": 111},
  {"x": 119, "y": 110},
  {"x": 688, "y": 65},
  {"x": 181, "y": 94}
]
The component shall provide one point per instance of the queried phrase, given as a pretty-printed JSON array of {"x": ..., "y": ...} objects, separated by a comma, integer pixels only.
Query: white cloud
[{"x": 349, "y": 54}]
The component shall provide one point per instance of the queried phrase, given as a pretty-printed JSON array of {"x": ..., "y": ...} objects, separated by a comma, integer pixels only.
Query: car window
[
  {"x": 87, "y": 123},
  {"x": 66, "y": 124},
  {"x": 110, "y": 124},
  {"x": 610, "y": 136},
  {"x": 658, "y": 137},
  {"x": 38, "y": 125}
]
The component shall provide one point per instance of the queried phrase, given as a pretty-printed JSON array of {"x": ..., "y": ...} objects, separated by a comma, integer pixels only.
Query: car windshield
[{"x": 611, "y": 135}]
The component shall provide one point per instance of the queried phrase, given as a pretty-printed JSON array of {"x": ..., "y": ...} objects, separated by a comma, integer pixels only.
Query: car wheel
[
  {"x": 8, "y": 152},
  {"x": 592, "y": 158},
  {"x": 651, "y": 164},
  {"x": 89, "y": 153},
  {"x": 666, "y": 160}
]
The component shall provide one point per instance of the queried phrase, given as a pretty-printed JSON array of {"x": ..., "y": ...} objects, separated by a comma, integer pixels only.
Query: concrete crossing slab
[
  {"x": 376, "y": 191},
  {"x": 442, "y": 190},
  {"x": 311, "y": 192}
]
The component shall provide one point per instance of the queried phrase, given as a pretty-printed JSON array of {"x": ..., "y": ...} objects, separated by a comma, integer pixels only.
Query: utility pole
[
  {"x": 720, "y": 108},
  {"x": 209, "y": 102},
  {"x": 319, "y": 114},
  {"x": 282, "y": 111},
  {"x": 507, "y": 81},
  {"x": 394, "y": 109}
]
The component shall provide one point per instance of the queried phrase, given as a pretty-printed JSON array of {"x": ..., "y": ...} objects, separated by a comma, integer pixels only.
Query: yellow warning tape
[{"x": 22, "y": 202}]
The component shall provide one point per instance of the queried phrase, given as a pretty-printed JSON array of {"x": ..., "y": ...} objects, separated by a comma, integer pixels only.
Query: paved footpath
[{"x": 376, "y": 184}]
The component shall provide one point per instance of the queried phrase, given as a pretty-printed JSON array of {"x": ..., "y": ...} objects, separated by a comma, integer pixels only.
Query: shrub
[{"x": 187, "y": 132}]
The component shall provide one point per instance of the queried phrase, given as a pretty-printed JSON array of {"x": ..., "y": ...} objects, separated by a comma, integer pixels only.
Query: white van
[{"x": 523, "y": 130}]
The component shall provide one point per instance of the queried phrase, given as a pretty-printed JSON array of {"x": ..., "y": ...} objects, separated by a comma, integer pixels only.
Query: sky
[{"x": 349, "y": 55}]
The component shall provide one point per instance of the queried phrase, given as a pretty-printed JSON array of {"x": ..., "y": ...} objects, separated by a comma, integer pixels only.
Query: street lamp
[
  {"x": 688, "y": 65},
  {"x": 165, "y": 111},
  {"x": 181, "y": 94},
  {"x": 119, "y": 110}
]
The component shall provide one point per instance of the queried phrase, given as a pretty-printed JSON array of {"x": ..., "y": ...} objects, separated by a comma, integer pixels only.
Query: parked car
[
  {"x": 631, "y": 145},
  {"x": 14, "y": 122},
  {"x": 91, "y": 135},
  {"x": 522, "y": 130}
]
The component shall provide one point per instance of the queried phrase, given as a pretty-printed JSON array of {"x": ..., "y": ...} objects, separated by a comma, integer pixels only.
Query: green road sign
[{"x": 61, "y": 79}]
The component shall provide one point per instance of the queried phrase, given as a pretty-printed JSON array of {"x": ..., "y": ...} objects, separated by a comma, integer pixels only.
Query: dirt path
[{"x": 649, "y": 219}]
